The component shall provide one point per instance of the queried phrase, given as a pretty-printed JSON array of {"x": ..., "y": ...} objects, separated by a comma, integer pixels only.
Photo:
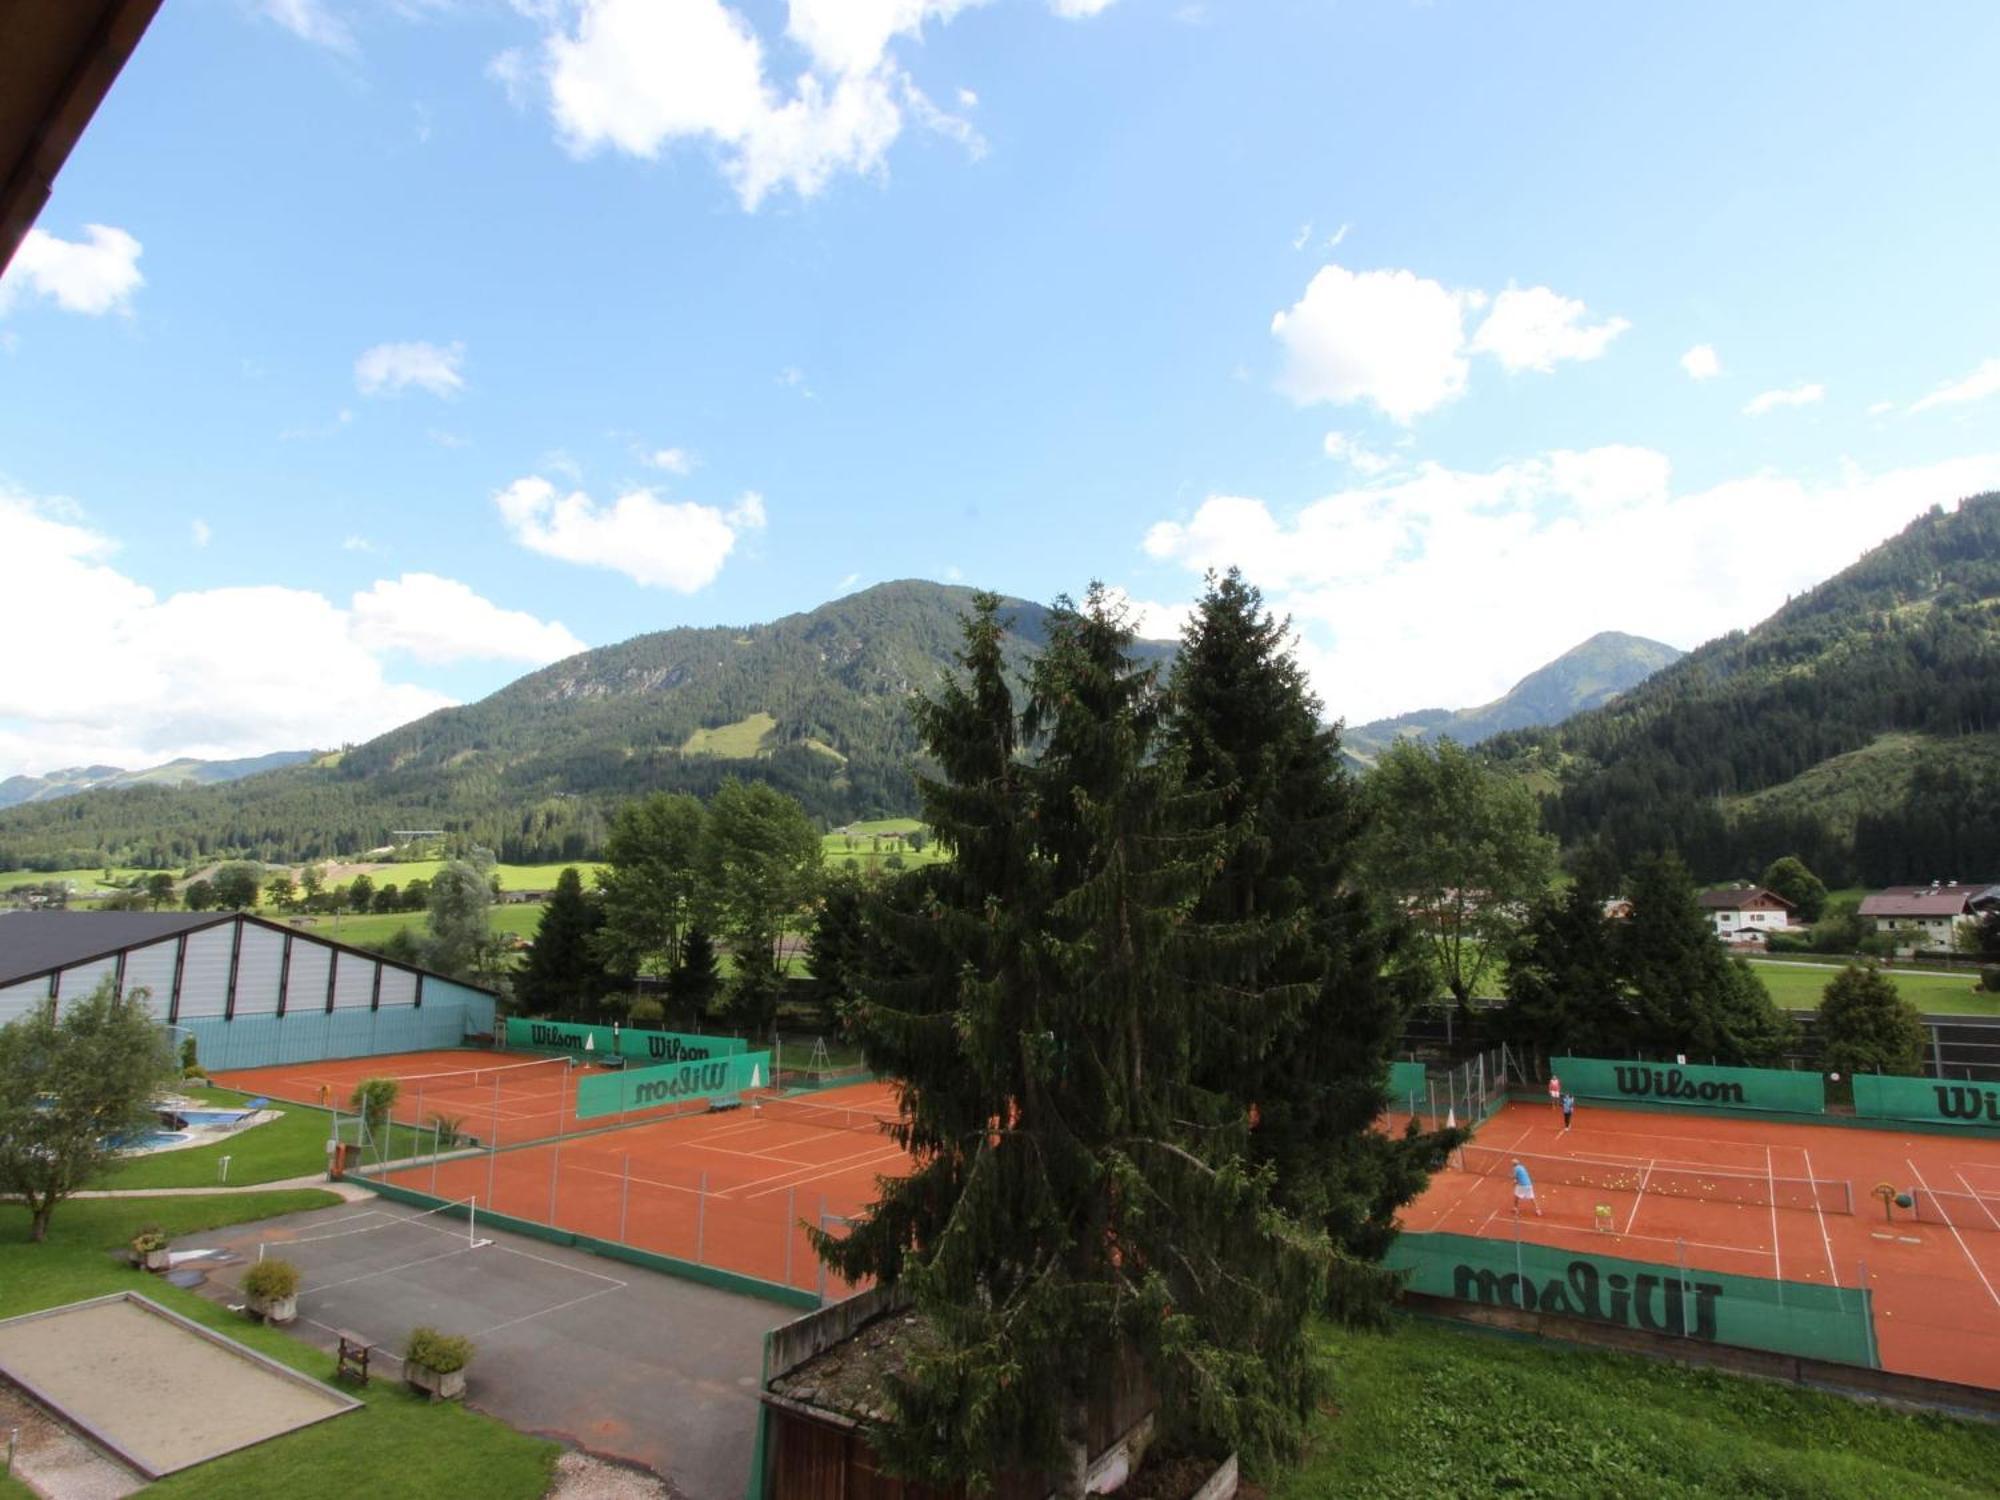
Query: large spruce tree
[
  {"x": 563, "y": 975},
  {"x": 1687, "y": 994},
  {"x": 1299, "y": 1020},
  {"x": 1078, "y": 1200}
]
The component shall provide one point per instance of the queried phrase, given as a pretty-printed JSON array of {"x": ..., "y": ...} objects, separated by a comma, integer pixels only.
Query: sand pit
[{"x": 158, "y": 1391}]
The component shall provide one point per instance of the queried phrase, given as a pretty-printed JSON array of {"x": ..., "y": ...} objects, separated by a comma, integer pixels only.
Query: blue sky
[{"x": 420, "y": 342}]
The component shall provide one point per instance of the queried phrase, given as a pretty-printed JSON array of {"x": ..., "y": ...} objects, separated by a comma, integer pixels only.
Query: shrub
[
  {"x": 646, "y": 1011},
  {"x": 1866, "y": 1026},
  {"x": 373, "y": 1098},
  {"x": 447, "y": 1128},
  {"x": 1989, "y": 978},
  {"x": 272, "y": 1279},
  {"x": 149, "y": 1240},
  {"x": 190, "y": 1057},
  {"x": 442, "y": 1352}
]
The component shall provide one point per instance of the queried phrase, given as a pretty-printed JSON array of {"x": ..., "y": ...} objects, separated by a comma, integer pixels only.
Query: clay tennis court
[
  {"x": 490, "y": 1098},
  {"x": 1759, "y": 1198},
  {"x": 732, "y": 1188}
]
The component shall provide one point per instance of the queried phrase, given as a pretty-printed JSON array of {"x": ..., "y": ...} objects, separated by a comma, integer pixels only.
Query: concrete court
[{"x": 624, "y": 1362}]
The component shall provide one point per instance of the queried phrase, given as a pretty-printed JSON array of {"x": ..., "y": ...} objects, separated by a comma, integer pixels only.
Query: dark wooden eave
[{"x": 58, "y": 59}]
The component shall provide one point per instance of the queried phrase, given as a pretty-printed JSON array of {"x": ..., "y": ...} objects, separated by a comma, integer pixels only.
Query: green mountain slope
[
  {"x": 15, "y": 790},
  {"x": 815, "y": 703},
  {"x": 1854, "y": 727},
  {"x": 1584, "y": 677}
]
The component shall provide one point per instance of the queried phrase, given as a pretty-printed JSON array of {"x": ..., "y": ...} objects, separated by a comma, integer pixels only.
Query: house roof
[
  {"x": 57, "y": 62},
  {"x": 1924, "y": 900},
  {"x": 34, "y": 942},
  {"x": 1734, "y": 898}
]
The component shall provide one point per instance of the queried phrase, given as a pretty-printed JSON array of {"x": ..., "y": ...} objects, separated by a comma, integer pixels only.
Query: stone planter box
[
  {"x": 156, "y": 1261},
  {"x": 443, "y": 1385},
  {"x": 277, "y": 1311}
]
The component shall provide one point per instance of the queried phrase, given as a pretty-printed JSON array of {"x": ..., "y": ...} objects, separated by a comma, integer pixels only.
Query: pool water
[
  {"x": 150, "y": 1140},
  {"x": 212, "y": 1116}
]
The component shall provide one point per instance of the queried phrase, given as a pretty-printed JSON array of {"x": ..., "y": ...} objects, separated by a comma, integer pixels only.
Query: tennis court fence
[
  {"x": 1808, "y": 1319},
  {"x": 1465, "y": 1093},
  {"x": 595, "y": 1191},
  {"x": 1832, "y": 1195}
]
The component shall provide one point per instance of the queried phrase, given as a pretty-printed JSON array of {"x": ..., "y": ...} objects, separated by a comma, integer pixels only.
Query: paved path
[{"x": 346, "y": 1190}]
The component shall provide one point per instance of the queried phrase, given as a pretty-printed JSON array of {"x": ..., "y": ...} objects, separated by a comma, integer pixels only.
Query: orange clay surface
[
  {"x": 1935, "y": 1282},
  {"x": 734, "y": 1189}
]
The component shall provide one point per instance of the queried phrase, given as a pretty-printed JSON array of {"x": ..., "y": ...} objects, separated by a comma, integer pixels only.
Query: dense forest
[
  {"x": 1858, "y": 727},
  {"x": 816, "y": 704}
]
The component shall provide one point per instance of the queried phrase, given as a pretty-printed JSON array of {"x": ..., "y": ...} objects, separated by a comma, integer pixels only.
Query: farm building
[
  {"x": 1920, "y": 917},
  {"x": 250, "y": 992}
]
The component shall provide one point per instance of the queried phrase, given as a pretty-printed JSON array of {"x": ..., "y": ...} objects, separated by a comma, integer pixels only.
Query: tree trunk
[
  {"x": 38, "y": 1224},
  {"x": 1075, "y": 1480}
]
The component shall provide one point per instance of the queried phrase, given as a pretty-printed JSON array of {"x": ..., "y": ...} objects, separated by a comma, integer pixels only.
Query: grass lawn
[
  {"x": 512, "y": 877},
  {"x": 1430, "y": 1410},
  {"x": 398, "y": 1444},
  {"x": 290, "y": 1146},
  {"x": 1800, "y": 988},
  {"x": 85, "y": 881},
  {"x": 374, "y": 928}
]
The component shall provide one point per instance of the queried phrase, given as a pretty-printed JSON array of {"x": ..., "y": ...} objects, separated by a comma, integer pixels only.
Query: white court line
[
  {"x": 409, "y": 1265},
  {"x": 1479, "y": 1177},
  {"x": 820, "y": 1169},
  {"x": 1981, "y": 1270},
  {"x": 1771, "y": 1177},
  {"x": 1825, "y": 1238},
  {"x": 883, "y": 1159},
  {"x": 603, "y": 1291},
  {"x": 1977, "y": 1197},
  {"x": 1631, "y": 1217},
  {"x": 1661, "y": 1239}
]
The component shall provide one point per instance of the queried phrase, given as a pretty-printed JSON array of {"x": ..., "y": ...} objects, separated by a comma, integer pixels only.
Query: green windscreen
[
  {"x": 1688, "y": 1086},
  {"x": 1970, "y": 1106},
  {"x": 1750, "y": 1312},
  {"x": 709, "y": 1079},
  {"x": 1406, "y": 1079},
  {"x": 627, "y": 1042}
]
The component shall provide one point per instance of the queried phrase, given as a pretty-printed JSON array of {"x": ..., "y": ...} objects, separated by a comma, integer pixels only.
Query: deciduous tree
[
  {"x": 651, "y": 884},
  {"x": 70, "y": 1089},
  {"x": 1790, "y": 878},
  {"x": 459, "y": 902},
  {"x": 1866, "y": 1026},
  {"x": 235, "y": 885}
]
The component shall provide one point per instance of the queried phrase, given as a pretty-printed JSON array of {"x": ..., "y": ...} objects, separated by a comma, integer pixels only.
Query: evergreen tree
[
  {"x": 1071, "y": 1204},
  {"x": 1566, "y": 983},
  {"x": 1687, "y": 994},
  {"x": 1299, "y": 1022},
  {"x": 837, "y": 950},
  {"x": 696, "y": 980},
  {"x": 1790, "y": 878},
  {"x": 1866, "y": 1026},
  {"x": 563, "y": 975}
]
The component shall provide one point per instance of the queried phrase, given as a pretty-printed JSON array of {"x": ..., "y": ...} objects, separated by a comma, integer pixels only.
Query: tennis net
[
  {"x": 1831, "y": 1195},
  {"x": 504, "y": 1074},
  {"x": 824, "y": 1116},
  {"x": 1957, "y": 1210}
]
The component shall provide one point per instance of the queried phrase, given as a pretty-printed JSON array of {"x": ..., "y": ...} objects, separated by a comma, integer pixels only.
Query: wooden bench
[{"x": 352, "y": 1363}]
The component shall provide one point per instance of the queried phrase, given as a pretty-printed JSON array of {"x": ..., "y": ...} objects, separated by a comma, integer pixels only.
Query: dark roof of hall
[{"x": 34, "y": 942}]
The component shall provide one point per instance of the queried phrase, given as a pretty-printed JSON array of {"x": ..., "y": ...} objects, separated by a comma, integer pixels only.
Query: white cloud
[
  {"x": 1304, "y": 236},
  {"x": 642, "y": 76},
  {"x": 1391, "y": 581},
  {"x": 1981, "y": 383},
  {"x": 391, "y": 369},
  {"x": 95, "y": 275},
  {"x": 1333, "y": 240},
  {"x": 1077, "y": 10},
  {"x": 1391, "y": 338},
  {"x": 1151, "y": 620},
  {"x": 199, "y": 532},
  {"x": 135, "y": 677},
  {"x": 311, "y": 21},
  {"x": 1397, "y": 340},
  {"x": 1702, "y": 362},
  {"x": 1359, "y": 457},
  {"x": 356, "y": 543},
  {"x": 1881, "y": 408},
  {"x": 657, "y": 543},
  {"x": 441, "y": 620},
  {"x": 673, "y": 460},
  {"x": 1797, "y": 395},
  {"x": 1531, "y": 328}
]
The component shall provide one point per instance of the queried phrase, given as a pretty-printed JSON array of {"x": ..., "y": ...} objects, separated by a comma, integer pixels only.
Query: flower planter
[
  {"x": 277, "y": 1311},
  {"x": 156, "y": 1261},
  {"x": 443, "y": 1385}
]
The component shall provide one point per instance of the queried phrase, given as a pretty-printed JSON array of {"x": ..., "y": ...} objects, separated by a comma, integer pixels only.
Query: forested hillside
[
  {"x": 1583, "y": 677},
  {"x": 816, "y": 704},
  {"x": 184, "y": 772},
  {"x": 1858, "y": 727}
]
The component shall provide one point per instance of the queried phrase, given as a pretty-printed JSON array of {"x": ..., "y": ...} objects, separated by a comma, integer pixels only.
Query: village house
[
  {"x": 1746, "y": 913},
  {"x": 1929, "y": 917}
]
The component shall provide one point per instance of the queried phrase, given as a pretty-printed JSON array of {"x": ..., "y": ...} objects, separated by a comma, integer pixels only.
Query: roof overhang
[{"x": 58, "y": 59}]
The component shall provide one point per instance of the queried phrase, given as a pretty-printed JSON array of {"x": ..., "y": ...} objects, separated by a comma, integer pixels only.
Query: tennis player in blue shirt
[{"x": 1524, "y": 1190}]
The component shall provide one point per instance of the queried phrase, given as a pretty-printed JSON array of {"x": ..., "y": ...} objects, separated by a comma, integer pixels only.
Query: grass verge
[
  {"x": 1432, "y": 1410},
  {"x": 1796, "y": 987},
  {"x": 398, "y": 1444}
]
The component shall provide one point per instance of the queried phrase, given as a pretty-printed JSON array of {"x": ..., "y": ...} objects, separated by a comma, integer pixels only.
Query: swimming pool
[
  {"x": 150, "y": 1140},
  {"x": 213, "y": 1116}
]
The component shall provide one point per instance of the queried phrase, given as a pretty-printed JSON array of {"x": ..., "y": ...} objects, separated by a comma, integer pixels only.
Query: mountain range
[
  {"x": 1583, "y": 677},
  {"x": 1858, "y": 727},
  {"x": 15, "y": 790}
]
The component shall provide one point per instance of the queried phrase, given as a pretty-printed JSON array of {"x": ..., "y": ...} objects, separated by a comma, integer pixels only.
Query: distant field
[
  {"x": 868, "y": 845},
  {"x": 743, "y": 740},
  {"x": 512, "y": 877},
  {"x": 84, "y": 880},
  {"x": 1800, "y": 988},
  {"x": 379, "y": 928}
]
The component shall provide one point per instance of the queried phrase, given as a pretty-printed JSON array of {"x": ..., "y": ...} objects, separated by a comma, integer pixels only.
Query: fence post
[
  {"x": 1431, "y": 1085},
  {"x": 701, "y": 1219},
  {"x": 1681, "y": 1255},
  {"x": 1937, "y": 1052},
  {"x": 624, "y": 1198},
  {"x": 1867, "y": 1322},
  {"x": 555, "y": 1165},
  {"x": 791, "y": 1228},
  {"x": 436, "y": 1136}
]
